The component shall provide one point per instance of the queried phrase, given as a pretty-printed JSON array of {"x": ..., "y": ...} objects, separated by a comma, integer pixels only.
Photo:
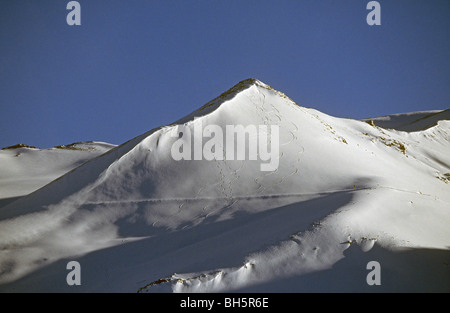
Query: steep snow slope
[
  {"x": 25, "y": 169},
  {"x": 137, "y": 220}
]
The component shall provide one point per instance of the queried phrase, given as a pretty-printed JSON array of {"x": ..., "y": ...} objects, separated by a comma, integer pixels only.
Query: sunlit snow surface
[
  {"x": 25, "y": 169},
  {"x": 346, "y": 192}
]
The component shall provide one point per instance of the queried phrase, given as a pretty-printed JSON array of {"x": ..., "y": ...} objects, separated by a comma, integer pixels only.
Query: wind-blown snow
[{"x": 137, "y": 220}]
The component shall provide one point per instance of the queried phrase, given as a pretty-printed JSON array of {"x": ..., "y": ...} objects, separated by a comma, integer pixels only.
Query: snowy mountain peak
[
  {"x": 145, "y": 214},
  {"x": 244, "y": 84},
  {"x": 243, "y": 87}
]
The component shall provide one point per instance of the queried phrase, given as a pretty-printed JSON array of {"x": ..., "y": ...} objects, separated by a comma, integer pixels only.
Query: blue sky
[{"x": 138, "y": 64}]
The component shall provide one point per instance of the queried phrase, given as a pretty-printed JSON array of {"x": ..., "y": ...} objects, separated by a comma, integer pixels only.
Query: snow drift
[{"x": 345, "y": 192}]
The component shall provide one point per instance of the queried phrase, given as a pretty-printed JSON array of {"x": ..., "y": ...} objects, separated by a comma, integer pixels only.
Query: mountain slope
[
  {"x": 24, "y": 169},
  {"x": 135, "y": 218}
]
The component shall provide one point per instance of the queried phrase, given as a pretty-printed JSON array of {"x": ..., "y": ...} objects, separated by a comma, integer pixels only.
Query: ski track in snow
[
  {"x": 250, "y": 197},
  {"x": 267, "y": 116}
]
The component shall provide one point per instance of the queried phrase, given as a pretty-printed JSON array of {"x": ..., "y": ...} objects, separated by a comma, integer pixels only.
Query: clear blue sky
[{"x": 134, "y": 65}]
